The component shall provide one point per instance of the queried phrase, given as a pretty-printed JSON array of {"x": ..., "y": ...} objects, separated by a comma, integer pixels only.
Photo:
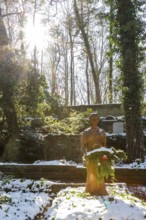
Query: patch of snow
[
  {"x": 22, "y": 205},
  {"x": 25, "y": 185},
  {"x": 8, "y": 163},
  {"x": 73, "y": 203},
  {"x": 62, "y": 162},
  {"x": 134, "y": 165},
  {"x": 18, "y": 201},
  {"x": 101, "y": 149},
  {"x": 123, "y": 134}
]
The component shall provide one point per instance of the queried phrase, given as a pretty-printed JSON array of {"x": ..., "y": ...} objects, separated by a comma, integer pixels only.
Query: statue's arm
[
  {"x": 104, "y": 138},
  {"x": 84, "y": 142}
]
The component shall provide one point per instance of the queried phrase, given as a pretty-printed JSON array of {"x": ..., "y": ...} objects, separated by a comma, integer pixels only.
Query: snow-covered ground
[
  {"x": 24, "y": 199},
  {"x": 74, "y": 204}
]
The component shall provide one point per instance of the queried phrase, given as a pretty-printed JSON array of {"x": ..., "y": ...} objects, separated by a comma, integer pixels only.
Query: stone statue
[{"x": 92, "y": 138}]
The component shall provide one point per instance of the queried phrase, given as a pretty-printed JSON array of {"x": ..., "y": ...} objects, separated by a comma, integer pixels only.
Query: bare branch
[{"x": 11, "y": 13}]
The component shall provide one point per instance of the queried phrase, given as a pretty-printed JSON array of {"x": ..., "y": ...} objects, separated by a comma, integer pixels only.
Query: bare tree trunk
[
  {"x": 72, "y": 78},
  {"x": 87, "y": 80},
  {"x": 89, "y": 52},
  {"x": 35, "y": 48},
  {"x": 53, "y": 84},
  {"x": 110, "y": 73},
  {"x": 9, "y": 27},
  {"x": 66, "y": 76},
  {"x": 10, "y": 114},
  {"x": 71, "y": 71},
  {"x": 21, "y": 34},
  {"x": 66, "y": 63},
  {"x": 74, "y": 88},
  {"x": 4, "y": 40}
]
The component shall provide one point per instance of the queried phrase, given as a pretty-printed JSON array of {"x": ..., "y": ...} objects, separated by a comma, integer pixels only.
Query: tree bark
[
  {"x": 72, "y": 77},
  {"x": 66, "y": 76},
  {"x": 89, "y": 53},
  {"x": 132, "y": 82},
  {"x": 110, "y": 73},
  {"x": 87, "y": 81},
  {"x": 10, "y": 114},
  {"x": 4, "y": 41}
]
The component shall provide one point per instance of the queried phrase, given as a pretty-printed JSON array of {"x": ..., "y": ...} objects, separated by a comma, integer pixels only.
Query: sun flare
[{"x": 35, "y": 34}]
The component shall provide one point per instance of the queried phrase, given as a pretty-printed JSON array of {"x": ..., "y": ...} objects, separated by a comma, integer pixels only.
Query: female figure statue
[{"x": 92, "y": 138}]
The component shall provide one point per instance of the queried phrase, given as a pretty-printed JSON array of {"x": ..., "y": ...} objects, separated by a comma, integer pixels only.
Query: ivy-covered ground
[{"x": 25, "y": 199}]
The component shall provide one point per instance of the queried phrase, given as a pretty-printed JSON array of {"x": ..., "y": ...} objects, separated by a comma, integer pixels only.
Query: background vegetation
[{"x": 55, "y": 53}]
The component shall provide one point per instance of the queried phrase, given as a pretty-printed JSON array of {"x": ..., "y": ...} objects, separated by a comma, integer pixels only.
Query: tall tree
[
  {"x": 130, "y": 34},
  {"x": 89, "y": 52},
  {"x": 110, "y": 72},
  {"x": 8, "y": 77},
  {"x": 87, "y": 81},
  {"x": 72, "y": 74}
]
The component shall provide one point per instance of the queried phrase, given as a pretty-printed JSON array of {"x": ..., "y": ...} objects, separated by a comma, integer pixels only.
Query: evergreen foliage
[
  {"x": 128, "y": 37},
  {"x": 10, "y": 69},
  {"x": 34, "y": 96}
]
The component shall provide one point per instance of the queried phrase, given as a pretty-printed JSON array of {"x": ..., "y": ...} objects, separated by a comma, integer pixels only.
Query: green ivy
[{"x": 105, "y": 162}]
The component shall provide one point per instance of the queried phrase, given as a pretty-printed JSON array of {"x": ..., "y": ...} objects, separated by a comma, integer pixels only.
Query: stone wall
[
  {"x": 103, "y": 110},
  {"x": 63, "y": 147}
]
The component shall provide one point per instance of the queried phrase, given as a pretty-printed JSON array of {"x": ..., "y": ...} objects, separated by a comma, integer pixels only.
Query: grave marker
[{"x": 118, "y": 127}]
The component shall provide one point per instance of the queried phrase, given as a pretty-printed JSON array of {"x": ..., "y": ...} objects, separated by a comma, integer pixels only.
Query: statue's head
[{"x": 94, "y": 118}]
